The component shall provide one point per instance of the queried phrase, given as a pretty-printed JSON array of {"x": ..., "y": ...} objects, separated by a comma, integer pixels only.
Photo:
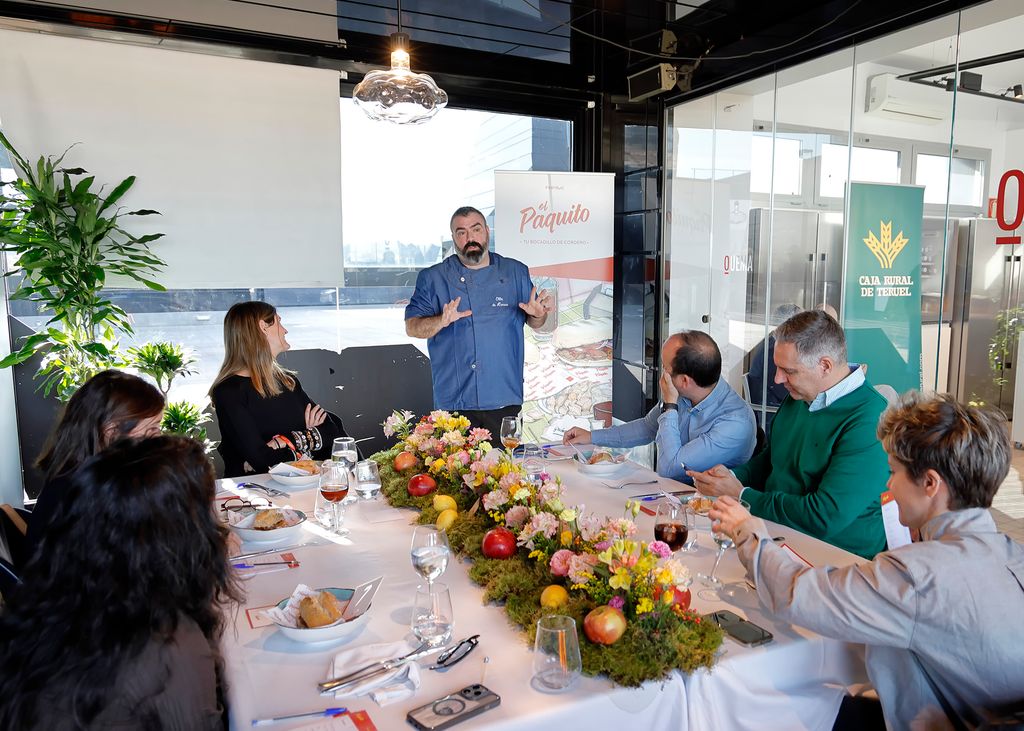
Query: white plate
[
  {"x": 296, "y": 480},
  {"x": 251, "y": 535},
  {"x": 601, "y": 469},
  {"x": 324, "y": 634}
]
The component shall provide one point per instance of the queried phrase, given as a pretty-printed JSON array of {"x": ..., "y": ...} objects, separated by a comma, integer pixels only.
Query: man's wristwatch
[{"x": 669, "y": 407}]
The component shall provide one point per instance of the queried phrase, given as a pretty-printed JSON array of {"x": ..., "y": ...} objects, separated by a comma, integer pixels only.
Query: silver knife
[
  {"x": 363, "y": 673},
  {"x": 265, "y": 552}
]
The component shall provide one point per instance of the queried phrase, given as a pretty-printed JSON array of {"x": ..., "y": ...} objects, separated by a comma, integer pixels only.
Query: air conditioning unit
[{"x": 893, "y": 98}]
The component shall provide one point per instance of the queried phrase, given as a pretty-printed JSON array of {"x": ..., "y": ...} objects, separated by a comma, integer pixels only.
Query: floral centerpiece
[{"x": 630, "y": 597}]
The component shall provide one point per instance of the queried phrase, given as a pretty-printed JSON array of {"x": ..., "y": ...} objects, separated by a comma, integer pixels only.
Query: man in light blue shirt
[
  {"x": 471, "y": 307},
  {"x": 701, "y": 420}
]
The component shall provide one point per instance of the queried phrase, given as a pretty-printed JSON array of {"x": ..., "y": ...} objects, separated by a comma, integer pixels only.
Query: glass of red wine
[
  {"x": 673, "y": 524},
  {"x": 333, "y": 488}
]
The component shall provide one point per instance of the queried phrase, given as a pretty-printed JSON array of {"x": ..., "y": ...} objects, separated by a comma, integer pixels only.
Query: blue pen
[{"x": 312, "y": 714}]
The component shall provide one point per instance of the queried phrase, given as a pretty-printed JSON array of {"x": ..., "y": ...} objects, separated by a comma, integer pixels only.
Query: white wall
[{"x": 242, "y": 158}]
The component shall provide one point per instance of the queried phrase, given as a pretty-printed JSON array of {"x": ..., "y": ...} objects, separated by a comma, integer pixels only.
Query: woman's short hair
[
  {"x": 815, "y": 335},
  {"x": 134, "y": 548},
  {"x": 246, "y": 349},
  {"x": 968, "y": 446},
  {"x": 104, "y": 409}
]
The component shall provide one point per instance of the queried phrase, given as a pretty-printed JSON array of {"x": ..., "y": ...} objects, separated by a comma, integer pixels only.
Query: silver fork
[
  {"x": 630, "y": 482},
  {"x": 270, "y": 491}
]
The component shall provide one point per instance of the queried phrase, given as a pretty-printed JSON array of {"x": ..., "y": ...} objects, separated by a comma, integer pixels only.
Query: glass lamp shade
[{"x": 399, "y": 95}]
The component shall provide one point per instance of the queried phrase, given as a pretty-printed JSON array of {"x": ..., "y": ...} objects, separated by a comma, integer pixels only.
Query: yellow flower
[
  {"x": 566, "y": 537},
  {"x": 620, "y": 579},
  {"x": 438, "y": 465},
  {"x": 463, "y": 422},
  {"x": 664, "y": 576},
  {"x": 667, "y": 597},
  {"x": 644, "y": 605},
  {"x": 605, "y": 556},
  {"x": 568, "y": 515}
]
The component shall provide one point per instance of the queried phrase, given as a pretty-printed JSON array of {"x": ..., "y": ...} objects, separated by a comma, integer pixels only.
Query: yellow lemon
[
  {"x": 444, "y": 502},
  {"x": 553, "y": 596},
  {"x": 446, "y": 518}
]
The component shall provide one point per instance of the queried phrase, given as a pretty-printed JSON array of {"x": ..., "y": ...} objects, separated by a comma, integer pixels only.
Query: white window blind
[{"x": 241, "y": 157}]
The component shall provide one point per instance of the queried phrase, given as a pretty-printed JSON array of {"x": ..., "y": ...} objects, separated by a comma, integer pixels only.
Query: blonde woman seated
[
  {"x": 940, "y": 617},
  {"x": 265, "y": 417}
]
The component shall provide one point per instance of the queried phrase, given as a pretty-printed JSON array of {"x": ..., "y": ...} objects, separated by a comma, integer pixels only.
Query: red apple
[
  {"x": 680, "y": 597},
  {"x": 404, "y": 461},
  {"x": 604, "y": 625},
  {"x": 420, "y": 485},
  {"x": 499, "y": 543}
]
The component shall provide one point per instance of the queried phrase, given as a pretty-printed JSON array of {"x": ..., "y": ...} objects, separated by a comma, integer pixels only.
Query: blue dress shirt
[
  {"x": 476, "y": 363},
  {"x": 719, "y": 430}
]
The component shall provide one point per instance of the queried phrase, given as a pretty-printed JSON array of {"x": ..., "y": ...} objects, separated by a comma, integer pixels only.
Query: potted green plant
[
  {"x": 68, "y": 238},
  {"x": 162, "y": 362}
]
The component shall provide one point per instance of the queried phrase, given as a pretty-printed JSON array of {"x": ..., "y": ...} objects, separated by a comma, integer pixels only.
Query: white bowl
[
  {"x": 331, "y": 632},
  {"x": 295, "y": 480},
  {"x": 251, "y": 535},
  {"x": 601, "y": 469}
]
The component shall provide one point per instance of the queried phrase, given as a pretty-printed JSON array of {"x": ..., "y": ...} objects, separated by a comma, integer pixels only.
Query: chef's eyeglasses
[{"x": 457, "y": 653}]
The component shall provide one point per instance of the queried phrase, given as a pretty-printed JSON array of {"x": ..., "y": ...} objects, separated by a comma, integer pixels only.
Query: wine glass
[
  {"x": 674, "y": 525},
  {"x": 344, "y": 451},
  {"x": 533, "y": 461},
  {"x": 430, "y": 552},
  {"x": 724, "y": 544},
  {"x": 367, "y": 479},
  {"x": 511, "y": 433},
  {"x": 333, "y": 486}
]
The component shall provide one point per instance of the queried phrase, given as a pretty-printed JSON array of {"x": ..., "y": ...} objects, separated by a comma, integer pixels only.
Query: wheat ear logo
[{"x": 888, "y": 248}]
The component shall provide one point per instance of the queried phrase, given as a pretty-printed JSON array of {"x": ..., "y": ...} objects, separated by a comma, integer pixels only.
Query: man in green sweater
[{"x": 823, "y": 469}]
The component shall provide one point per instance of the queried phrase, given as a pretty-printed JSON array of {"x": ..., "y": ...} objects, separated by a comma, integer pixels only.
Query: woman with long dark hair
[
  {"x": 122, "y": 631},
  {"x": 109, "y": 406},
  {"x": 264, "y": 415}
]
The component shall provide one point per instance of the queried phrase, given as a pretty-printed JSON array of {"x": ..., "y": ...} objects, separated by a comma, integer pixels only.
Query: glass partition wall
[{"x": 758, "y": 205}]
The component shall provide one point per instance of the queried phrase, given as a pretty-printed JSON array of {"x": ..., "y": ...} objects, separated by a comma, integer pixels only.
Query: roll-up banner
[
  {"x": 561, "y": 226},
  {"x": 882, "y": 311}
]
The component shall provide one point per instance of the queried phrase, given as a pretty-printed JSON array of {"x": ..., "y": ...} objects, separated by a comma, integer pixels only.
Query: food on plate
[
  {"x": 321, "y": 610},
  {"x": 593, "y": 354},
  {"x": 269, "y": 520},
  {"x": 598, "y": 456},
  {"x": 585, "y": 342},
  {"x": 308, "y": 466},
  {"x": 701, "y": 505}
]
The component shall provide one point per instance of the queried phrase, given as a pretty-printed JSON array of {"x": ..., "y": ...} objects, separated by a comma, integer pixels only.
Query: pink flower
[
  {"x": 517, "y": 516},
  {"x": 464, "y": 457},
  {"x": 479, "y": 435},
  {"x": 495, "y": 499},
  {"x": 560, "y": 562},
  {"x": 659, "y": 549},
  {"x": 581, "y": 567},
  {"x": 508, "y": 480},
  {"x": 602, "y": 545},
  {"x": 617, "y": 602},
  {"x": 589, "y": 525}
]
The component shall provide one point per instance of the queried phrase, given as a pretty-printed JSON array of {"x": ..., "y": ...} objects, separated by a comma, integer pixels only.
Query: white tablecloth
[{"x": 795, "y": 682}]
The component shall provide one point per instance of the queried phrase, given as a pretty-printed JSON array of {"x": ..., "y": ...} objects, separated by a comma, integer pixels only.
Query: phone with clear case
[{"x": 453, "y": 708}]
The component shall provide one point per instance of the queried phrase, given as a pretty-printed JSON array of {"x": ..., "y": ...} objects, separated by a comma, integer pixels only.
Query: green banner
[{"x": 882, "y": 310}]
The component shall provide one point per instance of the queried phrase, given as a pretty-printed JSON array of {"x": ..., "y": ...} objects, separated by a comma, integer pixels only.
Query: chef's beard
[{"x": 472, "y": 256}]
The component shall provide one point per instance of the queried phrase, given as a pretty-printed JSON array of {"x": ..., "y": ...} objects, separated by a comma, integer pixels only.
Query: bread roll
[
  {"x": 306, "y": 465},
  {"x": 269, "y": 520},
  {"x": 320, "y": 610}
]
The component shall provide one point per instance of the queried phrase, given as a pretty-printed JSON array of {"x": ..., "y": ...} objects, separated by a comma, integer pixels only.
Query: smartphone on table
[
  {"x": 743, "y": 631},
  {"x": 453, "y": 708}
]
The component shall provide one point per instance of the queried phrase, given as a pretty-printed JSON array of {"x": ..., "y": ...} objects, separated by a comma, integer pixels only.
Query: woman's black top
[{"x": 248, "y": 421}]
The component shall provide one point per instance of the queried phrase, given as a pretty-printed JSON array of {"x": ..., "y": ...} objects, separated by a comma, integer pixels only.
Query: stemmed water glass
[
  {"x": 344, "y": 451},
  {"x": 333, "y": 486},
  {"x": 511, "y": 433},
  {"x": 724, "y": 544},
  {"x": 429, "y": 552}
]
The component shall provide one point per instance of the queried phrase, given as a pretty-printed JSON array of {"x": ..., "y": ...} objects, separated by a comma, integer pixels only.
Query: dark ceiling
[{"x": 559, "y": 50}]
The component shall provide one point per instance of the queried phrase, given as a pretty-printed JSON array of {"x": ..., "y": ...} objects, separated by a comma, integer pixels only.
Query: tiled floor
[{"x": 1008, "y": 505}]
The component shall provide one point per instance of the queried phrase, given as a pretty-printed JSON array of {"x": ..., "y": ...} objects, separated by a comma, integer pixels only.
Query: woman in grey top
[
  {"x": 116, "y": 622},
  {"x": 940, "y": 617}
]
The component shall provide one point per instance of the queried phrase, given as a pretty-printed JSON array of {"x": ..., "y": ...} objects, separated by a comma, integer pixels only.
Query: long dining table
[{"x": 795, "y": 682}]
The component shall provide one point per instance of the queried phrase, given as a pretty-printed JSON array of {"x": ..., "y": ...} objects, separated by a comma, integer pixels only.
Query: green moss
[{"x": 649, "y": 649}]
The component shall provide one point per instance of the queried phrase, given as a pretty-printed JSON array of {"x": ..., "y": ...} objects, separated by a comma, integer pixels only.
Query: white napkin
[
  {"x": 289, "y": 616},
  {"x": 387, "y": 688},
  {"x": 286, "y": 470}
]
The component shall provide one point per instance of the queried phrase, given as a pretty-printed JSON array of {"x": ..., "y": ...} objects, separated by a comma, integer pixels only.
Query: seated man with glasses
[
  {"x": 940, "y": 617},
  {"x": 823, "y": 470}
]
